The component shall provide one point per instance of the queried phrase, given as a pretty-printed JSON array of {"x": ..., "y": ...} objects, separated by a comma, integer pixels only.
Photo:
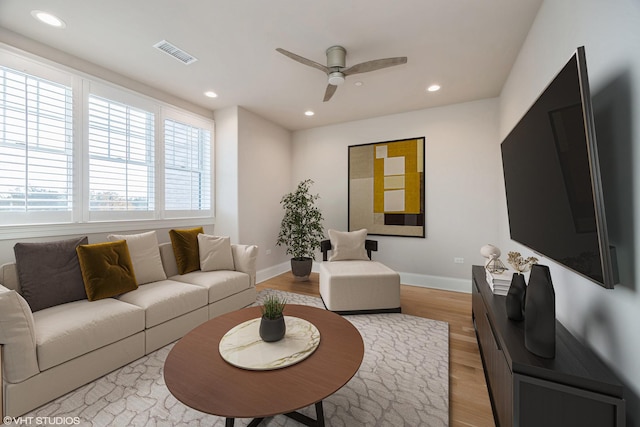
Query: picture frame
[{"x": 387, "y": 187}]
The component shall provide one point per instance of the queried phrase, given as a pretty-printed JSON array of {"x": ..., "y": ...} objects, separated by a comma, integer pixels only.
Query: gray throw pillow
[{"x": 49, "y": 273}]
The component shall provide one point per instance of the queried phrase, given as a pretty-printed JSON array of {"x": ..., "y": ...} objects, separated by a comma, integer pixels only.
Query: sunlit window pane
[{"x": 35, "y": 144}]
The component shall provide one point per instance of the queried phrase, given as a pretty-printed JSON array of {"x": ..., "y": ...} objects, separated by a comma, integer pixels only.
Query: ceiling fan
[{"x": 336, "y": 68}]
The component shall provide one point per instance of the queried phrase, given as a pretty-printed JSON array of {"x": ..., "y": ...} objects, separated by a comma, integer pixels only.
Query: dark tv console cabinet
[{"x": 573, "y": 389}]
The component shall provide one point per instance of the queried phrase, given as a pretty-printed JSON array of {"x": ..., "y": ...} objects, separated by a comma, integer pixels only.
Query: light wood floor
[{"x": 469, "y": 400}]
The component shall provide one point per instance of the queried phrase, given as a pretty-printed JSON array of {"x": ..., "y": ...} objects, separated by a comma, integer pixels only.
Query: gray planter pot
[
  {"x": 301, "y": 268},
  {"x": 272, "y": 330}
]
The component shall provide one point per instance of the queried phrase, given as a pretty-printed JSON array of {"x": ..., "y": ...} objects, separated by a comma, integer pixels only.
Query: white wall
[
  {"x": 462, "y": 172},
  {"x": 253, "y": 163},
  {"x": 264, "y": 177},
  {"x": 226, "y": 173},
  {"x": 610, "y": 31}
]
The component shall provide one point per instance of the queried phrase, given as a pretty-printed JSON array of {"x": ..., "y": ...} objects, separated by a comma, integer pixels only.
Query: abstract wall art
[{"x": 387, "y": 187}]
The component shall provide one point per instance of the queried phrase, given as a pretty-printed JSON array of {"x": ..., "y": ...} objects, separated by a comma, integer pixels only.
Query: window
[
  {"x": 187, "y": 167},
  {"x": 35, "y": 149},
  {"x": 121, "y": 157},
  {"x": 76, "y": 154}
]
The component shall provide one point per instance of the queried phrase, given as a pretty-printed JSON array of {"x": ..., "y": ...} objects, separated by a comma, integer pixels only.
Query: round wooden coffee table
[{"x": 196, "y": 374}]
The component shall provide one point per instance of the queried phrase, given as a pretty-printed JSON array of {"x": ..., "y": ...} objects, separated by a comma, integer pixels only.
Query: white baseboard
[
  {"x": 436, "y": 282},
  {"x": 273, "y": 271},
  {"x": 422, "y": 280}
]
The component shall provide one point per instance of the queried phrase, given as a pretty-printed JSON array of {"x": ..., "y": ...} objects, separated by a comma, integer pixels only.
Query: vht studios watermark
[{"x": 52, "y": 421}]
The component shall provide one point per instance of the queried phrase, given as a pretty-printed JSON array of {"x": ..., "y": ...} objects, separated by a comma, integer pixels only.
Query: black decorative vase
[
  {"x": 540, "y": 309},
  {"x": 516, "y": 297},
  {"x": 272, "y": 329}
]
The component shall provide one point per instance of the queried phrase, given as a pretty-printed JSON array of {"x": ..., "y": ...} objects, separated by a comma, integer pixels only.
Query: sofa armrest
[
  {"x": 244, "y": 259},
  {"x": 18, "y": 337},
  {"x": 9, "y": 276},
  {"x": 168, "y": 259}
]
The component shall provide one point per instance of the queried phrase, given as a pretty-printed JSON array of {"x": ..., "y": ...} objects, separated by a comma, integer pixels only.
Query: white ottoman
[{"x": 351, "y": 287}]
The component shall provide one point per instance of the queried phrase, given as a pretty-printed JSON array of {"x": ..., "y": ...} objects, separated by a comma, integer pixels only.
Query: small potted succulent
[{"x": 272, "y": 325}]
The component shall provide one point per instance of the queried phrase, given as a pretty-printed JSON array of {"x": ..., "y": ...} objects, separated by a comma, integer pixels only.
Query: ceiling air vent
[{"x": 176, "y": 52}]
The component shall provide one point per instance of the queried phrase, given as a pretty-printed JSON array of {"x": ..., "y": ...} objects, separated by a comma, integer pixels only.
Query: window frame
[
  {"x": 196, "y": 121},
  {"x": 118, "y": 96},
  {"x": 42, "y": 72},
  {"x": 81, "y": 221}
]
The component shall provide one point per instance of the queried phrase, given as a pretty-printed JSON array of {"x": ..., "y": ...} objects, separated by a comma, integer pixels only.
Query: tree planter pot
[
  {"x": 301, "y": 268},
  {"x": 272, "y": 330}
]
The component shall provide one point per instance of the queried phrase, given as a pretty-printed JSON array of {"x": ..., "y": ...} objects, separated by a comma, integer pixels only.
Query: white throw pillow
[
  {"x": 18, "y": 336},
  {"x": 145, "y": 256},
  {"x": 348, "y": 245},
  {"x": 215, "y": 253}
]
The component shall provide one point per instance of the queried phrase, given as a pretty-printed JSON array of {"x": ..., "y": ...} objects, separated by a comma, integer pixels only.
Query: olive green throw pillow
[
  {"x": 107, "y": 269},
  {"x": 185, "y": 249}
]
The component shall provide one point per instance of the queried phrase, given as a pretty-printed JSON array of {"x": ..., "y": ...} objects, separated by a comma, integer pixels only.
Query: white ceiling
[{"x": 466, "y": 46}]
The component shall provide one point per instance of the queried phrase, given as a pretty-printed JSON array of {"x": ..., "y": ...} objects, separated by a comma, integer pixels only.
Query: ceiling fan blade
[
  {"x": 302, "y": 60},
  {"x": 331, "y": 89},
  {"x": 376, "y": 64}
]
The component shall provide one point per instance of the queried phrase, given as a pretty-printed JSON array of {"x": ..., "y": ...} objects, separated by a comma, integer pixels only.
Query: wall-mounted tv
[{"x": 552, "y": 178}]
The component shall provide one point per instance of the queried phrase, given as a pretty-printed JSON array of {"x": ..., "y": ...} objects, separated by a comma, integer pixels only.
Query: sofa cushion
[
  {"x": 49, "y": 272},
  {"x": 215, "y": 253},
  {"x": 18, "y": 336},
  {"x": 348, "y": 245},
  {"x": 106, "y": 268},
  {"x": 185, "y": 248},
  {"x": 166, "y": 300},
  {"x": 145, "y": 256},
  {"x": 219, "y": 284},
  {"x": 71, "y": 330}
]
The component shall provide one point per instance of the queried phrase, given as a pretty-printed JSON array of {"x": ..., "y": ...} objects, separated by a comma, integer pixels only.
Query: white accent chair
[{"x": 358, "y": 286}]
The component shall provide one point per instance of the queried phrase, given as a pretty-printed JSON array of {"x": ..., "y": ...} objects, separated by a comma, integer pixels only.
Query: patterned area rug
[{"x": 403, "y": 381}]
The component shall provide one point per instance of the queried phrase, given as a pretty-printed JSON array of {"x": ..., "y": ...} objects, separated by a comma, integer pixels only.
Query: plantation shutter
[
  {"x": 35, "y": 149},
  {"x": 121, "y": 159},
  {"x": 187, "y": 168}
]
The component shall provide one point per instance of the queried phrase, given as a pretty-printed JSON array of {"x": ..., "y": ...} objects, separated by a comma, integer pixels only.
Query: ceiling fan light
[{"x": 336, "y": 78}]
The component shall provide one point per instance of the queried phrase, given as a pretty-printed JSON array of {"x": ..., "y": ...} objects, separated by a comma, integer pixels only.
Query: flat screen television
[{"x": 552, "y": 178}]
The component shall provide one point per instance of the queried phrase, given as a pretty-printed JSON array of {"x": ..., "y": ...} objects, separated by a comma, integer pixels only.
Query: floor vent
[{"x": 176, "y": 52}]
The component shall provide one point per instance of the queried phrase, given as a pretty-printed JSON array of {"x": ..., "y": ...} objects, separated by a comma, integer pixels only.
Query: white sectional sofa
[{"x": 54, "y": 350}]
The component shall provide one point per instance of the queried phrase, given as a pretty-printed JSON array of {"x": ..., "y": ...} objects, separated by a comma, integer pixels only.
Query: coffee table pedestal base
[{"x": 301, "y": 418}]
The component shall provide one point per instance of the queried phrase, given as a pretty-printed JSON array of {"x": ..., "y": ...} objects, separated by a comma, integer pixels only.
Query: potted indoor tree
[{"x": 301, "y": 229}]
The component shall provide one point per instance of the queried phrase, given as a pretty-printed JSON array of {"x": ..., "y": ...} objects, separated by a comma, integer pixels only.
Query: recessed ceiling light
[
  {"x": 309, "y": 113},
  {"x": 48, "y": 18},
  {"x": 433, "y": 88},
  {"x": 211, "y": 94},
  {"x": 358, "y": 83}
]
